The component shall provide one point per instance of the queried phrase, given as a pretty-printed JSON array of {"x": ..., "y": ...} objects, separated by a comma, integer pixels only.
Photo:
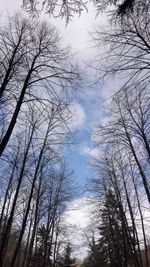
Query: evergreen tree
[
  {"x": 114, "y": 243},
  {"x": 68, "y": 261},
  {"x": 38, "y": 257},
  {"x": 95, "y": 256}
]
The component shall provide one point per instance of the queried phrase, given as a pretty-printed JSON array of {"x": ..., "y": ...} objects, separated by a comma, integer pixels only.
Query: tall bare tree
[
  {"x": 123, "y": 48},
  {"x": 124, "y": 166},
  {"x": 34, "y": 66}
]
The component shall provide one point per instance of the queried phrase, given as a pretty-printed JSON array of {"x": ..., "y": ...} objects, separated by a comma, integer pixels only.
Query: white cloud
[
  {"x": 78, "y": 116},
  {"x": 92, "y": 152},
  {"x": 77, "y": 213},
  {"x": 77, "y": 217}
]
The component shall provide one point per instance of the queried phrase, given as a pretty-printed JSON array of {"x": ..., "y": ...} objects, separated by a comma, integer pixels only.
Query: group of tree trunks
[
  {"x": 36, "y": 77},
  {"x": 122, "y": 184}
]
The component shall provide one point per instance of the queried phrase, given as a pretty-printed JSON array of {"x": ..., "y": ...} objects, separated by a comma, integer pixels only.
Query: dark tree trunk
[
  {"x": 29, "y": 203},
  {"x": 6, "y": 234}
]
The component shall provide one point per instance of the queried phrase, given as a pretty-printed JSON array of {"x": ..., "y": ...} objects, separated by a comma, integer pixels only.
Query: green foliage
[
  {"x": 113, "y": 240},
  {"x": 42, "y": 239},
  {"x": 67, "y": 260},
  {"x": 112, "y": 249},
  {"x": 95, "y": 257}
]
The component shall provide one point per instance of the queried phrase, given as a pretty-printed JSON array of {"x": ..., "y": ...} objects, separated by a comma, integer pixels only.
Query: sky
[
  {"x": 87, "y": 105},
  {"x": 87, "y": 102}
]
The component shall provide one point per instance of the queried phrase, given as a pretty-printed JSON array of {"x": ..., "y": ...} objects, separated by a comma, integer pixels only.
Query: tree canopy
[{"x": 67, "y": 9}]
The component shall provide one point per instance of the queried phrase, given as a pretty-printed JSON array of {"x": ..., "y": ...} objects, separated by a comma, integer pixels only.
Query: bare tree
[
  {"x": 38, "y": 193},
  {"x": 36, "y": 68},
  {"x": 122, "y": 129},
  {"x": 20, "y": 177},
  {"x": 123, "y": 49},
  {"x": 124, "y": 166}
]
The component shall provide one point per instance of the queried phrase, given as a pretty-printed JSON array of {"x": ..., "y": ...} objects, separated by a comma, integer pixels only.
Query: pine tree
[
  {"x": 68, "y": 261},
  {"x": 38, "y": 257},
  {"x": 95, "y": 256},
  {"x": 113, "y": 242}
]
